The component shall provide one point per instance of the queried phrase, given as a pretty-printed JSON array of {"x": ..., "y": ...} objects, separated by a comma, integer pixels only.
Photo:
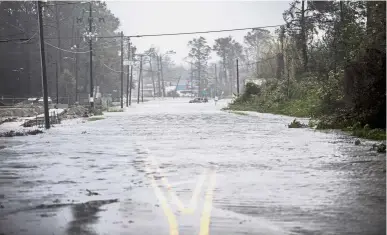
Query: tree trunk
[
  {"x": 303, "y": 35},
  {"x": 153, "y": 78}
]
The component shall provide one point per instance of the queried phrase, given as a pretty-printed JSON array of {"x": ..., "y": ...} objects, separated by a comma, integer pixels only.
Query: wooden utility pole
[
  {"x": 91, "y": 98},
  {"x": 122, "y": 69},
  {"x": 76, "y": 68},
  {"x": 142, "y": 89},
  {"x": 59, "y": 52},
  {"x": 216, "y": 81},
  {"x": 139, "y": 81},
  {"x": 128, "y": 76},
  {"x": 200, "y": 81},
  {"x": 162, "y": 75},
  {"x": 152, "y": 74},
  {"x": 191, "y": 80},
  {"x": 130, "y": 85},
  {"x": 237, "y": 74},
  {"x": 158, "y": 76},
  {"x": 57, "y": 82},
  {"x": 44, "y": 69}
]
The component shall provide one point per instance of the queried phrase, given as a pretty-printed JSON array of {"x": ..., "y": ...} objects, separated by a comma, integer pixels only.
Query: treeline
[
  {"x": 66, "y": 26},
  {"x": 330, "y": 61},
  {"x": 257, "y": 58}
]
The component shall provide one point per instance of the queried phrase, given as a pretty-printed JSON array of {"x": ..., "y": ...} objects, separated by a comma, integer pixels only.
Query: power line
[
  {"x": 113, "y": 69},
  {"x": 200, "y": 32},
  {"x": 66, "y": 3},
  {"x": 166, "y": 34},
  {"x": 79, "y": 52},
  {"x": 33, "y": 36},
  {"x": 75, "y": 52}
]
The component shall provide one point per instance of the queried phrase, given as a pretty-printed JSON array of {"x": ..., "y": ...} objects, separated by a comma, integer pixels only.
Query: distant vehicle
[
  {"x": 199, "y": 100},
  {"x": 42, "y": 101}
]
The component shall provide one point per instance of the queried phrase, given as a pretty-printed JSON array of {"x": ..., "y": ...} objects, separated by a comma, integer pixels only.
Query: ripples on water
[{"x": 270, "y": 179}]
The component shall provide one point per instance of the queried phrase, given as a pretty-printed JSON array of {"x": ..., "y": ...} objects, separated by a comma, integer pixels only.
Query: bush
[
  {"x": 296, "y": 124},
  {"x": 96, "y": 111},
  {"x": 113, "y": 110},
  {"x": 96, "y": 118}
]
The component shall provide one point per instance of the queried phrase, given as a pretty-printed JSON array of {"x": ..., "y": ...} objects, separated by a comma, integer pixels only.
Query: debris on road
[
  {"x": 297, "y": 124},
  {"x": 76, "y": 111},
  {"x": 18, "y": 133},
  {"x": 90, "y": 193}
]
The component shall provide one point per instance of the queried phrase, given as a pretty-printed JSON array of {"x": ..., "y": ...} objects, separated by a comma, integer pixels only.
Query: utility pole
[
  {"x": 130, "y": 85},
  {"x": 76, "y": 69},
  {"x": 59, "y": 52},
  {"x": 152, "y": 74},
  {"x": 162, "y": 76},
  {"x": 237, "y": 70},
  {"x": 122, "y": 69},
  {"x": 139, "y": 80},
  {"x": 216, "y": 81},
  {"x": 158, "y": 75},
  {"x": 57, "y": 85},
  {"x": 43, "y": 64},
  {"x": 191, "y": 79},
  {"x": 200, "y": 81},
  {"x": 91, "y": 98},
  {"x": 127, "y": 76},
  {"x": 142, "y": 89}
]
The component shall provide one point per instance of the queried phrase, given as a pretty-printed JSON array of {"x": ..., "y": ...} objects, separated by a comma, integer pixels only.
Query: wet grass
[
  {"x": 372, "y": 134},
  {"x": 115, "y": 110},
  {"x": 17, "y": 133},
  {"x": 296, "y": 124},
  {"x": 95, "y": 118},
  {"x": 239, "y": 113}
]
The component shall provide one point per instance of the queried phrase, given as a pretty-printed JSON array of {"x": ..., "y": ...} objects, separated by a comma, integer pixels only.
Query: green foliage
[
  {"x": 296, "y": 124},
  {"x": 373, "y": 134},
  {"x": 239, "y": 113},
  {"x": 96, "y": 111},
  {"x": 114, "y": 110},
  {"x": 96, "y": 118}
]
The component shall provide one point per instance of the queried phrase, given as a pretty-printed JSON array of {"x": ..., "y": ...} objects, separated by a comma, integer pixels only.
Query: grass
[
  {"x": 296, "y": 124},
  {"x": 372, "y": 134},
  {"x": 95, "y": 118},
  {"x": 239, "y": 113},
  {"x": 115, "y": 110},
  {"x": 17, "y": 133},
  {"x": 306, "y": 108}
]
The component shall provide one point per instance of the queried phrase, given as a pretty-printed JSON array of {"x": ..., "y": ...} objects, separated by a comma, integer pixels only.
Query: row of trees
[
  {"x": 258, "y": 44},
  {"x": 331, "y": 53},
  {"x": 65, "y": 26}
]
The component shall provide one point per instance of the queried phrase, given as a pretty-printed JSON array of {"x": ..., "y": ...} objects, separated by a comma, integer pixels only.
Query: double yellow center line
[{"x": 206, "y": 213}]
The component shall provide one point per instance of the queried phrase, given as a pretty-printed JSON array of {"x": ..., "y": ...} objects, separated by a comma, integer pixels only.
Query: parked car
[{"x": 199, "y": 100}]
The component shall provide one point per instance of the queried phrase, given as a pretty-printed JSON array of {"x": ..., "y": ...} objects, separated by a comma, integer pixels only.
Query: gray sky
[{"x": 153, "y": 17}]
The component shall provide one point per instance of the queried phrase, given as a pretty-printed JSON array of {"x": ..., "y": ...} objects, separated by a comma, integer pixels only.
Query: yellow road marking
[
  {"x": 207, "y": 207},
  {"x": 193, "y": 202},
  {"x": 206, "y": 215},
  {"x": 173, "y": 226}
]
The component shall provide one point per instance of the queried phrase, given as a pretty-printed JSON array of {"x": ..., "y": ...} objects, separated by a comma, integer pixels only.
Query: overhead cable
[{"x": 173, "y": 34}]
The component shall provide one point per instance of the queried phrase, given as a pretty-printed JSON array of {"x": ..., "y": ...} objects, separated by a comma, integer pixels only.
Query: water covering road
[{"x": 169, "y": 167}]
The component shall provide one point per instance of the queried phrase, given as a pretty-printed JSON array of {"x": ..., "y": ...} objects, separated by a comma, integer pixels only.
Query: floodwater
[{"x": 170, "y": 167}]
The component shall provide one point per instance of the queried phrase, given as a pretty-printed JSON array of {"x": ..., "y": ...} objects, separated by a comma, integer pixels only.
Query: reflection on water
[
  {"x": 270, "y": 179},
  {"x": 85, "y": 215}
]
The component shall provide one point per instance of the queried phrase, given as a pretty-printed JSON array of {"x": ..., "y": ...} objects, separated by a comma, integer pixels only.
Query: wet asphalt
[{"x": 170, "y": 167}]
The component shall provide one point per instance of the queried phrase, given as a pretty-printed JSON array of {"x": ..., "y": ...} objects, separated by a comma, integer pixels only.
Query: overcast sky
[{"x": 153, "y": 17}]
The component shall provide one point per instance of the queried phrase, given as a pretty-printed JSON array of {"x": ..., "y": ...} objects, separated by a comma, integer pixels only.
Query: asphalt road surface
[{"x": 170, "y": 167}]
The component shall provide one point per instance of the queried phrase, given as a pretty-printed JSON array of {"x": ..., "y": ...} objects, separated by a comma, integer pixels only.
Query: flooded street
[{"x": 170, "y": 167}]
